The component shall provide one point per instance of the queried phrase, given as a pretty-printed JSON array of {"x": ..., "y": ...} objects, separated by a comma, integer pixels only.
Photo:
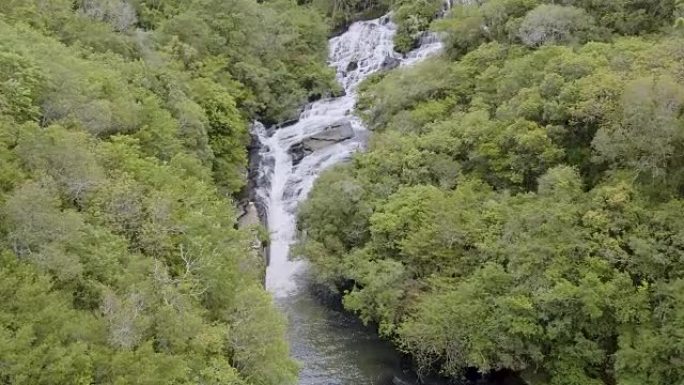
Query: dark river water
[{"x": 334, "y": 347}]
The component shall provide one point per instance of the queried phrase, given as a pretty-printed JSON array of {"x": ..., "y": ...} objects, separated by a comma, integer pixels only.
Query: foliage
[
  {"x": 123, "y": 133},
  {"x": 555, "y": 24},
  {"x": 413, "y": 17},
  {"x": 535, "y": 22},
  {"x": 520, "y": 203}
]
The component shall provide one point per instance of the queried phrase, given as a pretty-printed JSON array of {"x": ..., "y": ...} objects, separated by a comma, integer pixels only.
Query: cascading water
[
  {"x": 361, "y": 51},
  {"x": 332, "y": 347}
]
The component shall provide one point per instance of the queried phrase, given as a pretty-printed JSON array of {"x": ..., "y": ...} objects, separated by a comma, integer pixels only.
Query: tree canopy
[
  {"x": 123, "y": 134},
  {"x": 520, "y": 204}
]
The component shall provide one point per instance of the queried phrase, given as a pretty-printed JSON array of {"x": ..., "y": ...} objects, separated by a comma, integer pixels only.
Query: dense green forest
[
  {"x": 521, "y": 203},
  {"x": 123, "y": 134}
]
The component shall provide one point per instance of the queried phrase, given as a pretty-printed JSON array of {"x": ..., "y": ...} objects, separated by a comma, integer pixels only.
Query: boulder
[
  {"x": 353, "y": 65},
  {"x": 298, "y": 151},
  {"x": 390, "y": 62},
  {"x": 334, "y": 133}
]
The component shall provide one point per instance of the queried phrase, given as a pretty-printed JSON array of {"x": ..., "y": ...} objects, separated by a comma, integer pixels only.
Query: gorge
[{"x": 332, "y": 347}]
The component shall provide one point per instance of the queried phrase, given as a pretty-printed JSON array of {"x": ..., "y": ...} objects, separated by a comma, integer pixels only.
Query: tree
[
  {"x": 38, "y": 229},
  {"x": 555, "y": 24},
  {"x": 67, "y": 157},
  {"x": 648, "y": 136},
  {"x": 118, "y": 13},
  {"x": 20, "y": 82}
]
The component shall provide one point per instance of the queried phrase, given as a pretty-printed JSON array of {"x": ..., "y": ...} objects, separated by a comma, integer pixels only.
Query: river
[{"x": 332, "y": 346}]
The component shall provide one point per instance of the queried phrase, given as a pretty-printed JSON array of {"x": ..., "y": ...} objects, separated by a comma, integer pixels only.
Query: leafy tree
[
  {"x": 413, "y": 18},
  {"x": 555, "y": 24},
  {"x": 648, "y": 136}
]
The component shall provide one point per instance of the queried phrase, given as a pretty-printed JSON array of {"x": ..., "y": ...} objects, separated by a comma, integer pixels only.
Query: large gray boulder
[{"x": 334, "y": 133}]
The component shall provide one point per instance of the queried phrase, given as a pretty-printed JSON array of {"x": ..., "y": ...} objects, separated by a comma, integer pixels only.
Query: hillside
[
  {"x": 520, "y": 204},
  {"x": 123, "y": 135}
]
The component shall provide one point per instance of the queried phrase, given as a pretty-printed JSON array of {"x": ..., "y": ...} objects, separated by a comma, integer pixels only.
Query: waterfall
[{"x": 325, "y": 134}]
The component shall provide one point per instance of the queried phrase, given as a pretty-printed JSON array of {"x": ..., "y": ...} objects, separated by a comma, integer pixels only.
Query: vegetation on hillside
[
  {"x": 123, "y": 127},
  {"x": 520, "y": 204}
]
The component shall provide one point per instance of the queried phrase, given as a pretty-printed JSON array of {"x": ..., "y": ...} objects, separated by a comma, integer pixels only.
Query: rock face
[
  {"x": 249, "y": 220},
  {"x": 255, "y": 177},
  {"x": 334, "y": 133}
]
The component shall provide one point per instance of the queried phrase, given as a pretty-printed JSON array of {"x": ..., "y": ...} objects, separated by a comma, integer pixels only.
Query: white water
[{"x": 369, "y": 44}]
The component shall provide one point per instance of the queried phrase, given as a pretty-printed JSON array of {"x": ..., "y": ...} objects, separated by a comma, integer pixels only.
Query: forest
[
  {"x": 519, "y": 208},
  {"x": 123, "y": 135},
  {"x": 520, "y": 205}
]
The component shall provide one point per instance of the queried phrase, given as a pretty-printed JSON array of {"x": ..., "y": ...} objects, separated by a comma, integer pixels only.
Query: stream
[{"x": 331, "y": 345}]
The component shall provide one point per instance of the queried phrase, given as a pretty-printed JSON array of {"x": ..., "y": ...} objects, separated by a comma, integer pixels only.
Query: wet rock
[
  {"x": 258, "y": 175},
  {"x": 390, "y": 62},
  {"x": 352, "y": 66},
  {"x": 263, "y": 178},
  {"x": 288, "y": 122},
  {"x": 255, "y": 161},
  {"x": 298, "y": 151},
  {"x": 334, "y": 133},
  {"x": 428, "y": 38},
  {"x": 292, "y": 189},
  {"x": 250, "y": 216}
]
